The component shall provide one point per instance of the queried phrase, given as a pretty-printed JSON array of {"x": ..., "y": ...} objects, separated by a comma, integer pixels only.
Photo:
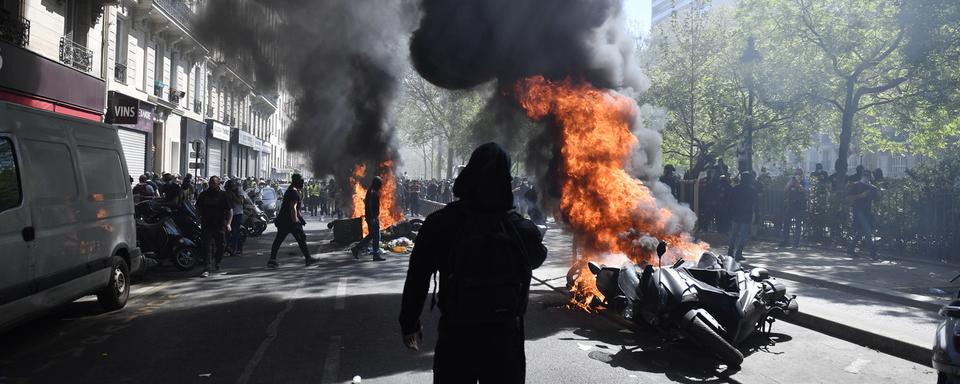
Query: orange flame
[
  {"x": 390, "y": 212},
  {"x": 607, "y": 209}
]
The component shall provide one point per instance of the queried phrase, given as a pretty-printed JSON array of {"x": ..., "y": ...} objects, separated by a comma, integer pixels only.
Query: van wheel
[{"x": 114, "y": 296}]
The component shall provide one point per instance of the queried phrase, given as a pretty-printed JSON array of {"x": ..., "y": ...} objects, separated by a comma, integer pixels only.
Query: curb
[
  {"x": 910, "y": 300},
  {"x": 897, "y": 348},
  {"x": 907, "y": 351}
]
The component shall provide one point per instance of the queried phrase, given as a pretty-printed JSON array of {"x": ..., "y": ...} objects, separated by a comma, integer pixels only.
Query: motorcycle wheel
[
  {"x": 705, "y": 336},
  {"x": 185, "y": 258}
]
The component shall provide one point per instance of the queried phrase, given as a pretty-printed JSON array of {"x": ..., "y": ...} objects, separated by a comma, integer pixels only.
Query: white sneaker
[{"x": 205, "y": 274}]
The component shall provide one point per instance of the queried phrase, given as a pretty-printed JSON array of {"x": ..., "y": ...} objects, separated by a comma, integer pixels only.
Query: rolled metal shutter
[
  {"x": 134, "y": 150},
  {"x": 214, "y": 158}
]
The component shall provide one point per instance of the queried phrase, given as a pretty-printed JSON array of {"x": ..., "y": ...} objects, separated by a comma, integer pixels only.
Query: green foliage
[{"x": 698, "y": 77}]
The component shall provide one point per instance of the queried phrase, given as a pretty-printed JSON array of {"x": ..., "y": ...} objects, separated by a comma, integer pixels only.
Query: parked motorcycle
[
  {"x": 715, "y": 304},
  {"x": 946, "y": 346},
  {"x": 254, "y": 222},
  {"x": 163, "y": 233}
]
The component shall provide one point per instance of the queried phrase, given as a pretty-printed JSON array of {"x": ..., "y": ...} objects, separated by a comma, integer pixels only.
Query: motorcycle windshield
[
  {"x": 171, "y": 228},
  {"x": 628, "y": 281}
]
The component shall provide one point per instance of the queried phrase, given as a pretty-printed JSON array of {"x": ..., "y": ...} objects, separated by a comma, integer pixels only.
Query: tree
[
  {"x": 697, "y": 77},
  {"x": 855, "y": 46},
  {"x": 438, "y": 118}
]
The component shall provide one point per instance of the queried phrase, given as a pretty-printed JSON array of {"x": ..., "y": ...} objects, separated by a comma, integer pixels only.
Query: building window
[
  {"x": 899, "y": 165},
  {"x": 122, "y": 46}
]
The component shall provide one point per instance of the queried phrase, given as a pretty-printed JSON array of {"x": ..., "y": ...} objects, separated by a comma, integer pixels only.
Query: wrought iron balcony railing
[
  {"x": 14, "y": 30},
  {"x": 178, "y": 10},
  {"x": 120, "y": 73},
  {"x": 75, "y": 55}
]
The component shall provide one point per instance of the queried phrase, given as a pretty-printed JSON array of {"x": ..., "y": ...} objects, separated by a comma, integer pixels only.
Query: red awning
[{"x": 47, "y": 105}]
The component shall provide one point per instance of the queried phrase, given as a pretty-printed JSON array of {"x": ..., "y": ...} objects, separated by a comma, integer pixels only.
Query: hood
[{"x": 485, "y": 182}]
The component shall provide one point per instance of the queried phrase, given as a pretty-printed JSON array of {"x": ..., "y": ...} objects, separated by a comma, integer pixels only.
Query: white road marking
[
  {"x": 332, "y": 365},
  {"x": 271, "y": 334},
  {"x": 856, "y": 365},
  {"x": 341, "y": 294}
]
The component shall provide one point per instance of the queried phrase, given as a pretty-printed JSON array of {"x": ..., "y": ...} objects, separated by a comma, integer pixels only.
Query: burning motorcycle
[
  {"x": 716, "y": 305},
  {"x": 946, "y": 346}
]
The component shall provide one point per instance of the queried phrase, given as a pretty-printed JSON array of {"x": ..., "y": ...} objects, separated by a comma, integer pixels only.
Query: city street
[{"x": 337, "y": 319}]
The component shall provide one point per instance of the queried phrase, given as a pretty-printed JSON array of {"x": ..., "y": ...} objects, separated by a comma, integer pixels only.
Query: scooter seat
[{"x": 717, "y": 278}]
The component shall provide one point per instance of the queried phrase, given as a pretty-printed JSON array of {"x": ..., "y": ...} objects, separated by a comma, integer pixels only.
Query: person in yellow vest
[{"x": 313, "y": 198}]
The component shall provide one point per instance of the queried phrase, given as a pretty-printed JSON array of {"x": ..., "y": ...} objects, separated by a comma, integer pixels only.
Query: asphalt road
[{"x": 337, "y": 319}]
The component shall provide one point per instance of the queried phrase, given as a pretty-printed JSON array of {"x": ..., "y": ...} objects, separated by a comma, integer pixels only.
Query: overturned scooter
[
  {"x": 716, "y": 305},
  {"x": 946, "y": 345}
]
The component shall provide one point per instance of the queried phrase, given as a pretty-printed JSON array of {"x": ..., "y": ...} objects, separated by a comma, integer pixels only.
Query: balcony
[
  {"x": 75, "y": 55},
  {"x": 120, "y": 74},
  {"x": 178, "y": 10},
  {"x": 14, "y": 30}
]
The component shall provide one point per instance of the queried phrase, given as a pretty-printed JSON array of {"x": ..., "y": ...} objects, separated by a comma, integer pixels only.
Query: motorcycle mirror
[
  {"x": 594, "y": 267},
  {"x": 661, "y": 248}
]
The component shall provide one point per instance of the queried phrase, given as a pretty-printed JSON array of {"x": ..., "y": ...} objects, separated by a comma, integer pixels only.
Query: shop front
[
  {"x": 218, "y": 142},
  {"x": 29, "y": 79},
  {"x": 134, "y": 120},
  {"x": 241, "y": 153}
]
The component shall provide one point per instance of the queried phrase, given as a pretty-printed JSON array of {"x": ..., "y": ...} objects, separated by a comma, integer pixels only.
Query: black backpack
[{"x": 490, "y": 274}]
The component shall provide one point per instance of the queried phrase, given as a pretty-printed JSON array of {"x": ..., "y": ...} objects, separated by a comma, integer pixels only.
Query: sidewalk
[{"x": 890, "y": 305}]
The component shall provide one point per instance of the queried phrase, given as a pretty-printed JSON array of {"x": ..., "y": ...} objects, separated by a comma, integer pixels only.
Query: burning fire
[
  {"x": 609, "y": 211},
  {"x": 390, "y": 212}
]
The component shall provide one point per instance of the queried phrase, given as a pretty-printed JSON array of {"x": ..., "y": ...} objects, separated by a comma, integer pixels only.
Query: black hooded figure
[
  {"x": 476, "y": 342},
  {"x": 371, "y": 213}
]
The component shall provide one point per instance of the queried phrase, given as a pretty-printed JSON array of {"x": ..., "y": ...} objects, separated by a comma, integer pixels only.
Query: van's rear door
[{"x": 16, "y": 232}]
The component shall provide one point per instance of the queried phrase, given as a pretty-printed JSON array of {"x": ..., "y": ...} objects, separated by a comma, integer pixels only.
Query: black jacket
[
  {"x": 484, "y": 187},
  {"x": 433, "y": 253}
]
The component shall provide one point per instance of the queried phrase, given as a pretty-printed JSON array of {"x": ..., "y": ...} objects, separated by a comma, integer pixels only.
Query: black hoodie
[{"x": 484, "y": 186}]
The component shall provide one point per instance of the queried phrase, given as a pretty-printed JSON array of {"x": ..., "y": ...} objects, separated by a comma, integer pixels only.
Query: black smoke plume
[
  {"x": 464, "y": 43},
  {"x": 339, "y": 59}
]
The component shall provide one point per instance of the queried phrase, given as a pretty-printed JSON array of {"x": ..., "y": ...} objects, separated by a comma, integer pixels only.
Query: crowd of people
[{"x": 731, "y": 203}]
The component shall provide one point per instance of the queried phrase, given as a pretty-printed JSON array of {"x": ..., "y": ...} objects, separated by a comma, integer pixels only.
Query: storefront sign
[
  {"x": 126, "y": 110},
  {"x": 219, "y": 131},
  {"x": 246, "y": 139}
]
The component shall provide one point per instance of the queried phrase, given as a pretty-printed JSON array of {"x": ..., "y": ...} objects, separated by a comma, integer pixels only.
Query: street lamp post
[{"x": 748, "y": 61}]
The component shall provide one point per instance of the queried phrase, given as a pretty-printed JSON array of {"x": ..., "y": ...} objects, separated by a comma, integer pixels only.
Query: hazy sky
[{"x": 638, "y": 13}]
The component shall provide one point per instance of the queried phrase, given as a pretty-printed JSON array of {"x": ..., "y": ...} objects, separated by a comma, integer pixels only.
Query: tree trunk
[
  {"x": 846, "y": 133},
  {"x": 450, "y": 155},
  {"x": 438, "y": 174}
]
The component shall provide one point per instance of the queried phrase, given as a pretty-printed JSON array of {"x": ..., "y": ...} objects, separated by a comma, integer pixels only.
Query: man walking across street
[
  {"x": 371, "y": 212},
  {"x": 861, "y": 195},
  {"x": 743, "y": 202},
  {"x": 289, "y": 221},
  {"x": 485, "y": 253},
  {"x": 216, "y": 215},
  {"x": 795, "y": 196}
]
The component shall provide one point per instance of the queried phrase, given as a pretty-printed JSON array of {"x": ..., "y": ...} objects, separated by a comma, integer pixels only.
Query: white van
[{"x": 67, "y": 228}]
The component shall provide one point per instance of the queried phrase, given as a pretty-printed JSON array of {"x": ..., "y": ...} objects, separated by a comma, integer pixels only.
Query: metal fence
[
  {"x": 14, "y": 29},
  {"x": 75, "y": 55},
  {"x": 917, "y": 221}
]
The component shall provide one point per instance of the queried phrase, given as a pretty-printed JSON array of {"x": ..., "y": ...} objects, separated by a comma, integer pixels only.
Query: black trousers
[
  {"x": 216, "y": 239},
  {"x": 297, "y": 232},
  {"x": 487, "y": 353}
]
